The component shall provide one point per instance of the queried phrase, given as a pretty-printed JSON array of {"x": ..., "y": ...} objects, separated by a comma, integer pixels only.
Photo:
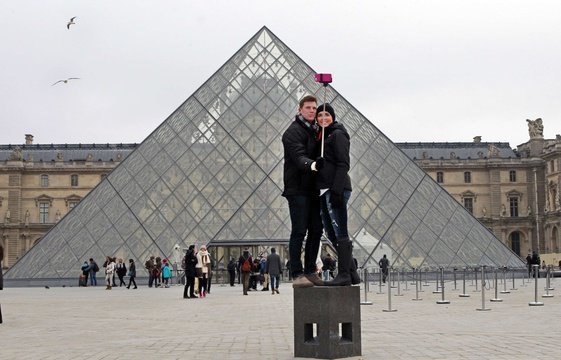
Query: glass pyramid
[{"x": 212, "y": 173}]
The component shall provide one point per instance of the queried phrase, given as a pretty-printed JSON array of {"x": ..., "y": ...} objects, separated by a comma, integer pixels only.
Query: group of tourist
[
  {"x": 112, "y": 266},
  {"x": 198, "y": 272},
  {"x": 265, "y": 270}
]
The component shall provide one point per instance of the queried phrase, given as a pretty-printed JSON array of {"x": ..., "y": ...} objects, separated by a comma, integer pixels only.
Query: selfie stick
[
  {"x": 324, "y": 79},
  {"x": 323, "y": 128}
]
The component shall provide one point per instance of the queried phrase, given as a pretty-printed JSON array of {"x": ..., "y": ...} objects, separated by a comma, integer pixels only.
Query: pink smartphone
[{"x": 324, "y": 78}]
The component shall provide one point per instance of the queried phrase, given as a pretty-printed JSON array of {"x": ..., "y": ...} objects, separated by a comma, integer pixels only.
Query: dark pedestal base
[{"x": 327, "y": 322}]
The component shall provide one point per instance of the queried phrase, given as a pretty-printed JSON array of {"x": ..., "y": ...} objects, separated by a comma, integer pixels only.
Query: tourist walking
[
  {"x": 274, "y": 268},
  {"x": 132, "y": 274},
  {"x": 121, "y": 270}
]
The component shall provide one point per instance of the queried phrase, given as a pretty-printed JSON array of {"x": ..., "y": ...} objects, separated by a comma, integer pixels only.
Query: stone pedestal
[{"x": 327, "y": 322}]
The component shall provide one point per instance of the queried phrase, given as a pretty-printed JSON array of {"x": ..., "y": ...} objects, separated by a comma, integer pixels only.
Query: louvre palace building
[
  {"x": 513, "y": 192},
  {"x": 211, "y": 173}
]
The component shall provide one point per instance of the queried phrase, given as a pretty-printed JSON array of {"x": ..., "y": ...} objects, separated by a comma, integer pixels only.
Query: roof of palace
[{"x": 69, "y": 152}]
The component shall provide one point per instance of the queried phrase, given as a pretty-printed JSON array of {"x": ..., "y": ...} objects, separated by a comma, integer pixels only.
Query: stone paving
[{"x": 149, "y": 323}]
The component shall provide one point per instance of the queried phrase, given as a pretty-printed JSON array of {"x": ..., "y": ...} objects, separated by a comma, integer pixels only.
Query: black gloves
[
  {"x": 320, "y": 162},
  {"x": 337, "y": 200}
]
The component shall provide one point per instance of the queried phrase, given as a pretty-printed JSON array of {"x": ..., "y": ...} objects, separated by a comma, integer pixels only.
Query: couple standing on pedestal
[{"x": 317, "y": 189}]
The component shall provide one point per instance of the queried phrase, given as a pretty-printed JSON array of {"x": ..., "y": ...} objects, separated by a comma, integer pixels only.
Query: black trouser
[
  {"x": 232, "y": 277},
  {"x": 189, "y": 287},
  {"x": 121, "y": 280},
  {"x": 131, "y": 280}
]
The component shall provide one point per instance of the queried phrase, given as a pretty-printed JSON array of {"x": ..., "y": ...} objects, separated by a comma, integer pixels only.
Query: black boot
[
  {"x": 355, "y": 278},
  {"x": 345, "y": 252}
]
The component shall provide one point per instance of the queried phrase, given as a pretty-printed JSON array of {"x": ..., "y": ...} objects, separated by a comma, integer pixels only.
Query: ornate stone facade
[{"x": 36, "y": 193}]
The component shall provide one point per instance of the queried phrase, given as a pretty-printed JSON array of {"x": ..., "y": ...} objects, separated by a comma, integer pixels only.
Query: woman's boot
[{"x": 345, "y": 252}]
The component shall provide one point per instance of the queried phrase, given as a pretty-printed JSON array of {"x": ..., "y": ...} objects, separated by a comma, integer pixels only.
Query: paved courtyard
[{"x": 149, "y": 323}]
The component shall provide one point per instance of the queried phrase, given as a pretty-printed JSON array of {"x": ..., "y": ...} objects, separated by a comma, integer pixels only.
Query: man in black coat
[{"x": 301, "y": 163}]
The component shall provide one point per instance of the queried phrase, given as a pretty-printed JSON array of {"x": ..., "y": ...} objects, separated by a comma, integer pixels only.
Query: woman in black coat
[{"x": 190, "y": 273}]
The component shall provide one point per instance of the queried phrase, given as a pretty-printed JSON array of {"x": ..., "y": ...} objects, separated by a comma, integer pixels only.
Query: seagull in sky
[
  {"x": 71, "y": 22},
  {"x": 65, "y": 81}
]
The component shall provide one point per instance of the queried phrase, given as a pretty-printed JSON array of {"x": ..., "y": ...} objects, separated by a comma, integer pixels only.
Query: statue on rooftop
[
  {"x": 16, "y": 154},
  {"x": 535, "y": 128}
]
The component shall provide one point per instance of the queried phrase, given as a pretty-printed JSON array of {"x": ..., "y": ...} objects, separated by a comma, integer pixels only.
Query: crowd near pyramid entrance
[{"x": 212, "y": 173}]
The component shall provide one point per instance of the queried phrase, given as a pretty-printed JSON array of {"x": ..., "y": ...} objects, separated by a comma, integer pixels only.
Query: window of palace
[
  {"x": 513, "y": 203},
  {"x": 72, "y": 201},
  {"x": 512, "y": 175},
  {"x": 468, "y": 204},
  {"x": 468, "y": 198},
  {"x": 44, "y": 180},
  {"x": 74, "y": 180},
  {"x": 44, "y": 212},
  {"x": 467, "y": 177},
  {"x": 440, "y": 177}
]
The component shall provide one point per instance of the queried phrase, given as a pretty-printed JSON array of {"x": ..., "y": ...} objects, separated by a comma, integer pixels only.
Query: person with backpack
[
  {"x": 246, "y": 263},
  {"x": 94, "y": 268},
  {"x": 166, "y": 273}
]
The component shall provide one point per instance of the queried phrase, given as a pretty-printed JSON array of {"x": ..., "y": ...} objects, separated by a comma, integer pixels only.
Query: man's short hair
[{"x": 308, "y": 98}]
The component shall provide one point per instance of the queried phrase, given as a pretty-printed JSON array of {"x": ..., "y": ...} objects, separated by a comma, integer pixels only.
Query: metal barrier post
[
  {"x": 398, "y": 284},
  {"x": 483, "y": 290},
  {"x": 550, "y": 277},
  {"x": 513, "y": 281},
  {"x": 536, "y": 269},
  {"x": 496, "y": 298},
  {"x": 366, "y": 289},
  {"x": 389, "y": 309},
  {"x": 505, "y": 291},
  {"x": 463, "y": 294},
  {"x": 547, "y": 287},
  {"x": 443, "y": 301},
  {"x": 437, "y": 291},
  {"x": 455, "y": 287},
  {"x": 475, "y": 273},
  {"x": 405, "y": 280},
  {"x": 380, "y": 283},
  {"x": 426, "y": 278},
  {"x": 417, "y": 283}
]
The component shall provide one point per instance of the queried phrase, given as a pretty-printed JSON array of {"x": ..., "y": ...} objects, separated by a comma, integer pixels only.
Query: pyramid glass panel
[{"x": 211, "y": 173}]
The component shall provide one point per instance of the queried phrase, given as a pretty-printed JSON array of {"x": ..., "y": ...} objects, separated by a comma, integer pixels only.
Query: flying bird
[
  {"x": 71, "y": 22},
  {"x": 65, "y": 81}
]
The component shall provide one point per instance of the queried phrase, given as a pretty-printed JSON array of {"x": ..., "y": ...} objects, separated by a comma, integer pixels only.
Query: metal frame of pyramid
[{"x": 212, "y": 172}]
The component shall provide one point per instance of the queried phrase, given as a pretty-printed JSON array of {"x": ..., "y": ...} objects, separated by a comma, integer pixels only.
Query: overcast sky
[{"x": 419, "y": 70}]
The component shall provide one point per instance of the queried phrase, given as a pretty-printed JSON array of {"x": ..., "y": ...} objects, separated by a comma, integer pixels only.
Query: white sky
[{"x": 419, "y": 70}]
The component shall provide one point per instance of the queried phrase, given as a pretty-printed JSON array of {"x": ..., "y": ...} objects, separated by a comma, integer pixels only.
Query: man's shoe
[
  {"x": 302, "y": 281},
  {"x": 315, "y": 279},
  {"x": 277, "y": 291}
]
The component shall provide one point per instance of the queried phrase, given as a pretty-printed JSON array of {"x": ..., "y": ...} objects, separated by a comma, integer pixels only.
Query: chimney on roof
[
  {"x": 28, "y": 139},
  {"x": 477, "y": 139}
]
